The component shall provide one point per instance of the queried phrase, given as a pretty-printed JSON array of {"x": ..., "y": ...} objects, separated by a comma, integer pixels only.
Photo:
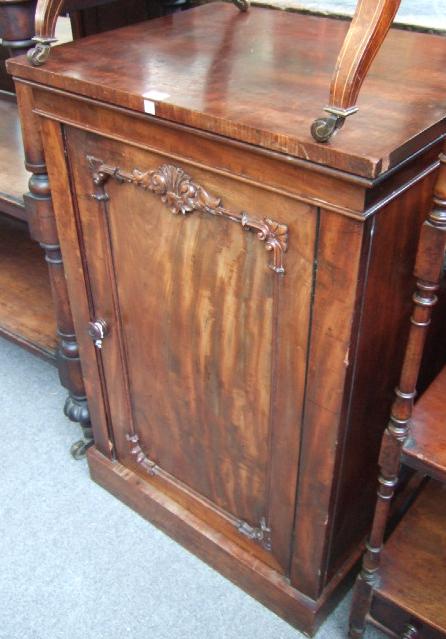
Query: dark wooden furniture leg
[
  {"x": 17, "y": 25},
  {"x": 428, "y": 270},
  {"x": 43, "y": 230},
  {"x": 369, "y": 27}
]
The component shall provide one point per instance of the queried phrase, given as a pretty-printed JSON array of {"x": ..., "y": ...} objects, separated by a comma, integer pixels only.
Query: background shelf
[
  {"x": 26, "y": 310},
  {"x": 13, "y": 176}
]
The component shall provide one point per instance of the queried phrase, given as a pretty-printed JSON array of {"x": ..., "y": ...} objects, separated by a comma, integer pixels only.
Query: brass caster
[
  {"x": 242, "y": 5},
  {"x": 323, "y": 128},
  {"x": 39, "y": 54},
  {"x": 79, "y": 449}
]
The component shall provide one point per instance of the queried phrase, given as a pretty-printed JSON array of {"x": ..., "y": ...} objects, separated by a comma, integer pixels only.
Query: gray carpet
[{"x": 77, "y": 564}]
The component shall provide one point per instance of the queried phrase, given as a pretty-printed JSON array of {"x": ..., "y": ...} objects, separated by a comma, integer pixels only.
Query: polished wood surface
[
  {"x": 258, "y": 77},
  {"x": 26, "y": 314},
  {"x": 13, "y": 175},
  {"x": 425, "y": 448},
  {"x": 413, "y": 562}
]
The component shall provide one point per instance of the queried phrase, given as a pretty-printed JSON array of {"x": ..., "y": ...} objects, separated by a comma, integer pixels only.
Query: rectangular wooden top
[{"x": 260, "y": 77}]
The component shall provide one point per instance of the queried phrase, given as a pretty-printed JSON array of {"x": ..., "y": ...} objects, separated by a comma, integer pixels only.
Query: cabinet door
[{"x": 204, "y": 281}]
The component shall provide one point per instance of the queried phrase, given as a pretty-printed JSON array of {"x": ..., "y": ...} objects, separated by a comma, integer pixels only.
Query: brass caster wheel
[
  {"x": 242, "y": 5},
  {"x": 323, "y": 128},
  {"x": 79, "y": 449},
  {"x": 39, "y": 54}
]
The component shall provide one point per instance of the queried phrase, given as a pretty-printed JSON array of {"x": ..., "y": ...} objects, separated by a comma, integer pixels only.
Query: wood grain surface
[
  {"x": 211, "y": 337},
  {"x": 260, "y": 77}
]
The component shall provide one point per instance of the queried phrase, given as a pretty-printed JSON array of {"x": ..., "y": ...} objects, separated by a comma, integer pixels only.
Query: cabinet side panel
[
  {"x": 338, "y": 263},
  {"x": 383, "y": 331}
]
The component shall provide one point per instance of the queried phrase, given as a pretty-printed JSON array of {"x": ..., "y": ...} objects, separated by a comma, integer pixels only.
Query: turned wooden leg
[
  {"x": 43, "y": 230},
  {"x": 428, "y": 270},
  {"x": 360, "y": 605},
  {"x": 17, "y": 25},
  {"x": 16, "y": 31}
]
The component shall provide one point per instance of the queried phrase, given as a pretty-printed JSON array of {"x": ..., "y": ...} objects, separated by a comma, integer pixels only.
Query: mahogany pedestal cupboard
[{"x": 237, "y": 288}]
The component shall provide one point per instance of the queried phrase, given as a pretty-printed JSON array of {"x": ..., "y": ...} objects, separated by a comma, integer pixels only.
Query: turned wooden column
[
  {"x": 17, "y": 25},
  {"x": 428, "y": 272},
  {"x": 43, "y": 230},
  {"x": 16, "y": 31}
]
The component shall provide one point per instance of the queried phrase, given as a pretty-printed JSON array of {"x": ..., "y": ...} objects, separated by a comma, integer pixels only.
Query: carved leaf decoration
[
  {"x": 207, "y": 201},
  {"x": 277, "y": 233},
  {"x": 183, "y": 196},
  {"x": 143, "y": 180},
  {"x": 141, "y": 458}
]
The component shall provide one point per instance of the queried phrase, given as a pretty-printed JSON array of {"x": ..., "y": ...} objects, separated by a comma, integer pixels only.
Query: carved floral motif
[
  {"x": 149, "y": 466},
  {"x": 261, "y": 535},
  {"x": 182, "y": 196}
]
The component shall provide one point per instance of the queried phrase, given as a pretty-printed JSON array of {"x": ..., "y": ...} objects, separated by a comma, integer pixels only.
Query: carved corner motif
[
  {"x": 275, "y": 236},
  {"x": 95, "y": 165},
  {"x": 141, "y": 458},
  {"x": 182, "y": 196},
  {"x": 261, "y": 535}
]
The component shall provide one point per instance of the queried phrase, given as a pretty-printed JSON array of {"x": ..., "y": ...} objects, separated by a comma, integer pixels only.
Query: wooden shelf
[
  {"x": 425, "y": 450},
  {"x": 413, "y": 562},
  {"x": 13, "y": 176},
  {"x": 26, "y": 309}
]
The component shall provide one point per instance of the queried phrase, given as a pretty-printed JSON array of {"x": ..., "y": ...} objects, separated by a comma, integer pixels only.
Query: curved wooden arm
[
  {"x": 47, "y": 12},
  {"x": 367, "y": 31}
]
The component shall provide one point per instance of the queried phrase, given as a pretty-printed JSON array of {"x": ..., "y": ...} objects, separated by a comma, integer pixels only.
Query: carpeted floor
[{"x": 77, "y": 564}]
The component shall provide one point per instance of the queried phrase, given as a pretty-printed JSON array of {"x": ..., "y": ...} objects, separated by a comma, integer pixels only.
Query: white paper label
[
  {"x": 149, "y": 107},
  {"x": 150, "y": 99}
]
